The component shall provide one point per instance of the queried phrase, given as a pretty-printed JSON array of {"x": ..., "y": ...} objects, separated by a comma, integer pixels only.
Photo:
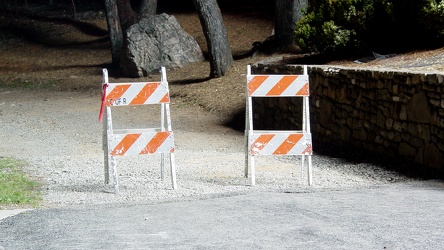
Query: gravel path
[{"x": 58, "y": 134}]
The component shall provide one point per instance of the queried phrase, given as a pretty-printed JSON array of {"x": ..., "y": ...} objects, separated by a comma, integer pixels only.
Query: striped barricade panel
[
  {"x": 277, "y": 85},
  {"x": 281, "y": 143},
  {"x": 124, "y": 94},
  {"x": 142, "y": 143}
]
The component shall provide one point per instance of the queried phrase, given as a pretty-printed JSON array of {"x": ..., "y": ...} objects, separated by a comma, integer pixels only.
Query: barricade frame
[
  {"x": 301, "y": 139},
  {"x": 111, "y": 136}
]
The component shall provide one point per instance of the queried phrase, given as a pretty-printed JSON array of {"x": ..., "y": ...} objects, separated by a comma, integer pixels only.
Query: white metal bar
[
  {"x": 172, "y": 162},
  {"x": 250, "y": 159},
  {"x": 246, "y": 141},
  {"x": 169, "y": 127},
  {"x": 115, "y": 175},
  {"x": 308, "y": 130},
  {"x": 109, "y": 132},
  {"x": 302, "y": 165},
  {"x": 136, "y": 131},
  {"x": 278, "y": 131},
  {"x": 105, "y": 131},
  {"x": 162, "y": 128},
  {"x": 247, "y": 126},
  {"x": 163, "y": 80},
  {"x": 251, "y": 168},
  {"x": 310, "y": 176},
  {"x": 173, "y": 171}
]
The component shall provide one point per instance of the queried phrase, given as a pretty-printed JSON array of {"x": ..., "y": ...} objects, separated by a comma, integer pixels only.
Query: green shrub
[
  {"x": 432, "y": 18},
  {"x": 364, "y": 25}
]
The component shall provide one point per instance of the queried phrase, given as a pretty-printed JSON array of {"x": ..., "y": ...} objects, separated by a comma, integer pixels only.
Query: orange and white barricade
[
  {"x": 277, "y": 142},
  {"x": 122, "y": 142}
]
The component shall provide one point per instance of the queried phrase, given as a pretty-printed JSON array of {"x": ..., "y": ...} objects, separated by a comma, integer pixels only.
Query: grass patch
[{"x": 16, "y": 188}]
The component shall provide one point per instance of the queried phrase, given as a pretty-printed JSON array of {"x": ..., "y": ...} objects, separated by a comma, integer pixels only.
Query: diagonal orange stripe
[
  {"x": 308, "y": 150},
  {"x": 304, "y": 91},
  {"x": 117, "y": 92},
  {"x": 255, "y": 83},
  {"x": 281, "y": 86},
  {"x": 288, "y": 144},
  {"x": 155, "y": 142},
  {"x": 165, "y": 99},
  {"x": 125, "y": 144},
  {"x": 260, "y": 143},
  {"x": 145, "y": 93}
]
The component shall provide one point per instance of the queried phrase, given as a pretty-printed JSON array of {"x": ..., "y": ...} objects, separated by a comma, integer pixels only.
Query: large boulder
[{"x": 157, "y": 41}]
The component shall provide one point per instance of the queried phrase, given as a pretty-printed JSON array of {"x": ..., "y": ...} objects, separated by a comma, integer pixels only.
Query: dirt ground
[
  {"x": 50, "y": 55},
  {"x": 62, "y": 54}
]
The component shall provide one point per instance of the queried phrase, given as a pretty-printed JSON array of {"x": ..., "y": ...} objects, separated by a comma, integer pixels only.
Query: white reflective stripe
[
  {"x": 110, "y": 88},
  {"x": 301, "y": 146},
  {"x": 141, "y": 142},
  {"x": 132, "y": 92},
  {"x": 295, "y": 86},
  {"x": 167, "y": 145},
  {"x": 135, "y": 89},
  {"x": 273, "y": 80},
  {"x": 158, "y": 94},
  {"x": 277, "y": 141},
  {"x": 267, "y": 85}
]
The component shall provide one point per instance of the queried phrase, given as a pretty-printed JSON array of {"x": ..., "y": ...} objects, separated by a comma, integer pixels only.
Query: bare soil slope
[{"x": 56, "y": 52}]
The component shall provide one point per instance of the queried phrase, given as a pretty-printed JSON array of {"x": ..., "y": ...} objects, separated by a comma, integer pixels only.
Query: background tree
[
  {"x": 219, "y": 50},
  {"x": 114, "y": 29},
  {"x": 148, "y": 7},
  {"x": 287, "y": 13}
]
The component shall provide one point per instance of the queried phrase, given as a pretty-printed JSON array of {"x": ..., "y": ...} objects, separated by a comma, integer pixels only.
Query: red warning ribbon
[{"x": 102, "y": 107}]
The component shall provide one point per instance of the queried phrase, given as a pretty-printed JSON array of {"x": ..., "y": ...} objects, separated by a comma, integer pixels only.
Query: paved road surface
[{"x": 395, "y": 216}]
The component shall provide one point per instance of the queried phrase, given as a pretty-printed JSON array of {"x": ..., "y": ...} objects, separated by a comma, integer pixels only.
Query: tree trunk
[
  {"x": 114, "y": 29},
  {"x": 126, "y": 14},
  {"x": 148, "y": 7},
  {"x": 288, "y": 12},
  {"x": 216, "y": 36}
]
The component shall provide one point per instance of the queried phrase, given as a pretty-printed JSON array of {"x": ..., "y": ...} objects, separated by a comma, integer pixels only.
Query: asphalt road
[{"x": 395, "y": 216}]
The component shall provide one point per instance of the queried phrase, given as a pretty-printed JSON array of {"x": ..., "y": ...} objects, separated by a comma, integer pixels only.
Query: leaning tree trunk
[
  {"x": 126, "y": 14},
  {"x": 288, "y": 12},
  {"x": 115, "y": 30},
  {"x": 216, "y": 36}
]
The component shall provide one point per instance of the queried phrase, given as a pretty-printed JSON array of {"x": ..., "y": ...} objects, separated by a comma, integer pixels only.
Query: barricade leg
[
  {"x": 252, "y": 171},
  {"x": 107, "y": 127},
  {"x": 166, "y": 111},
  {"x": 162, "y": 166},
  {"x": 302, "y": 165},
  {"x": 249, "y": 159},
  {"x": 246, "y": 135},
  {"x": 173, "y": 171},
  {"x": 310, "y": 178},
  {"x": 246, "y": 156},
  {"x": 162, "y": 155},
  {"x": 106, "y": 166},
  {"x": 115, "y": 175}
]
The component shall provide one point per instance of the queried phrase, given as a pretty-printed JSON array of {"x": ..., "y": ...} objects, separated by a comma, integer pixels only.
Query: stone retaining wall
[{"x": 391, "y": 113}]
